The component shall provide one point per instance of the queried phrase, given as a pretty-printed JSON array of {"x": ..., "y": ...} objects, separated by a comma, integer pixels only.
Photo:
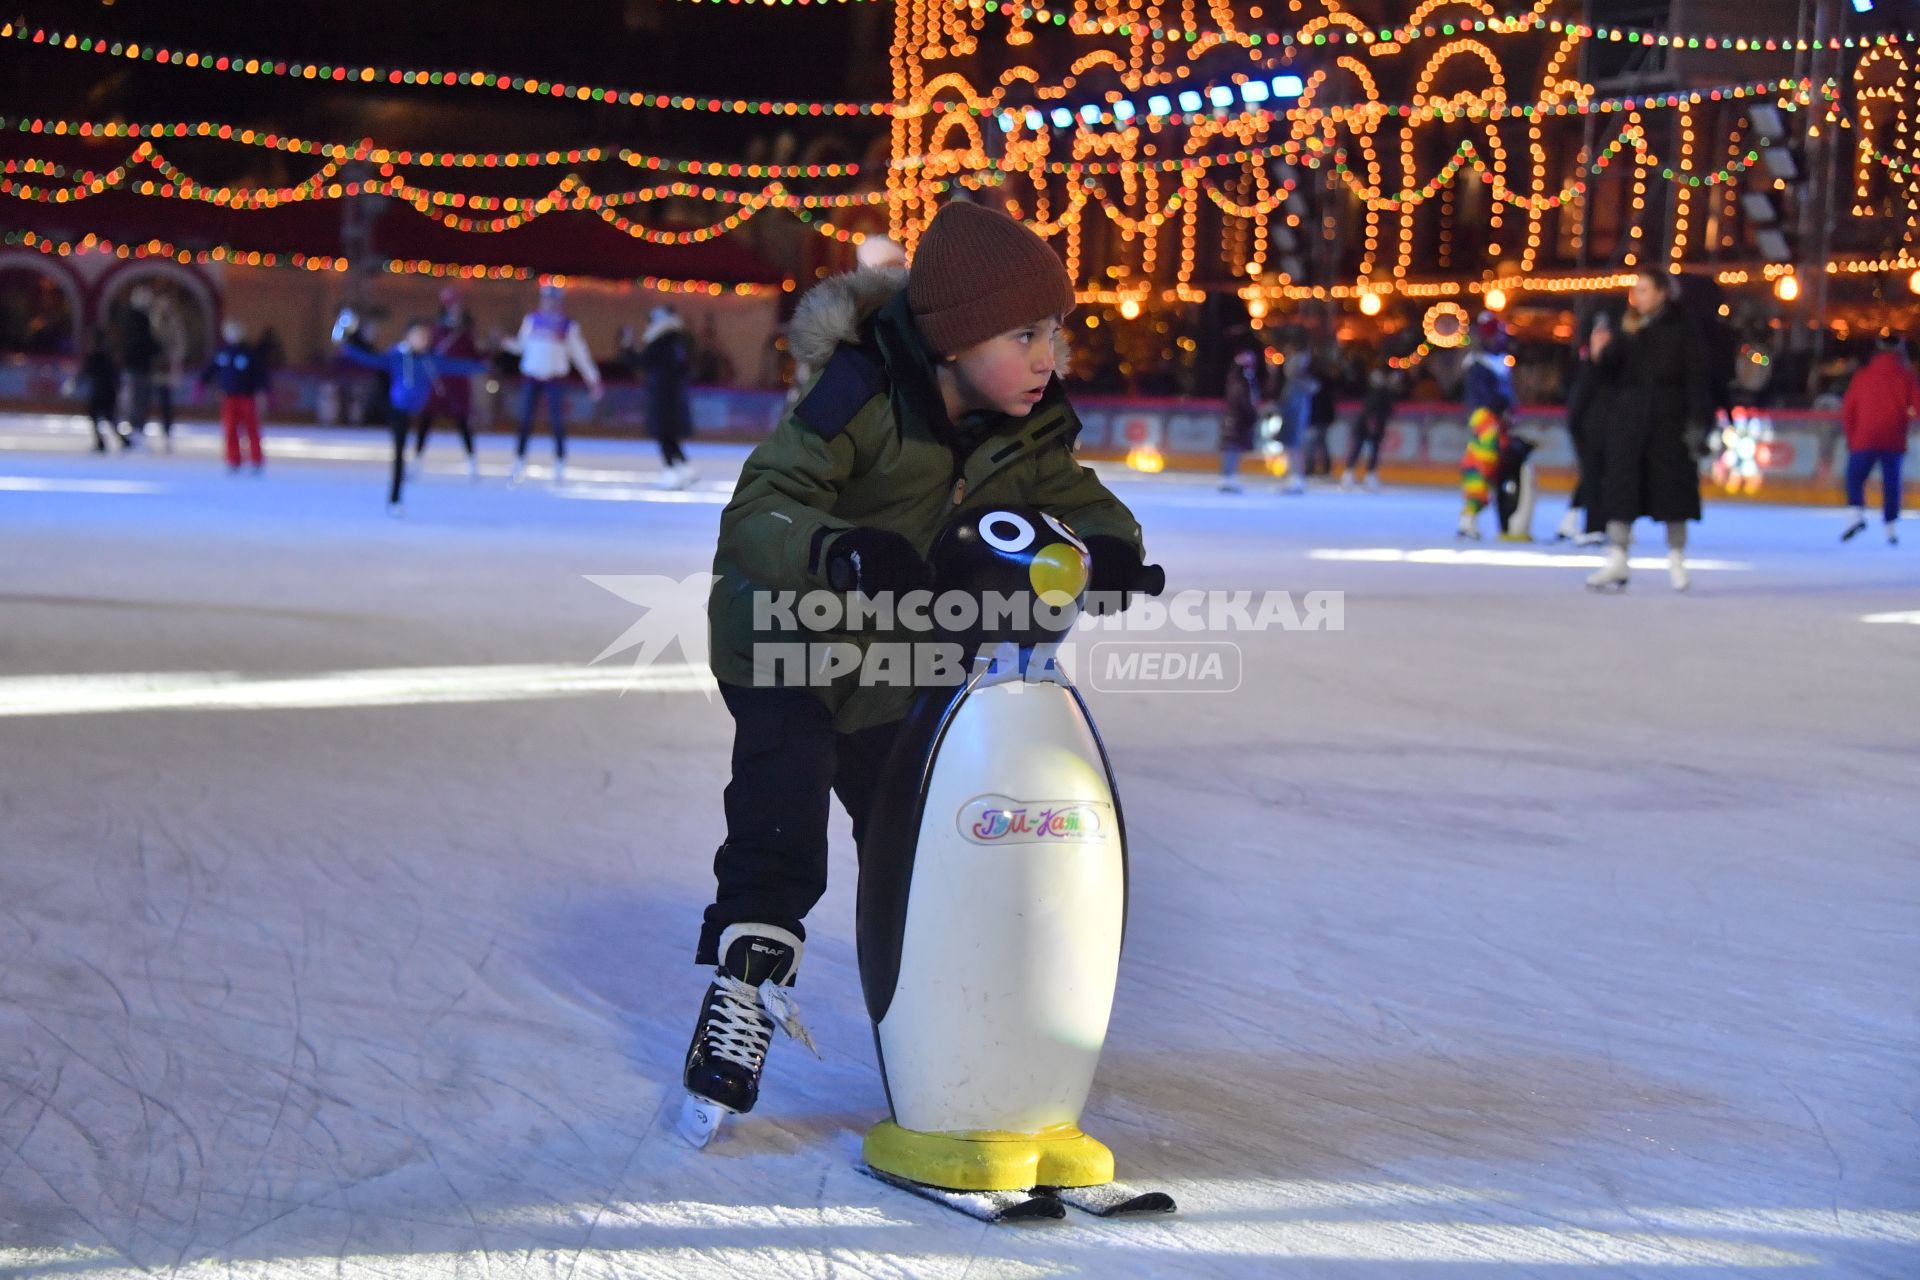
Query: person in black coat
[
  {"x": 1588, "y": 403},
  {"x": 1652, "y": 377},
  {"x": 664, "y": 361},
  {"x": 139, "y": 352},
  {"x": 1241, "y": 414},
  {"x": 102, "y": 378},
  {"x": 1370, "y": 427},
  {"x": 1321, "y": 414}
]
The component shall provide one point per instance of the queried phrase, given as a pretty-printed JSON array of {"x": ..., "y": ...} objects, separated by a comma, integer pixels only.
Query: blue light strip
[{"x": 1216, "y": 98}]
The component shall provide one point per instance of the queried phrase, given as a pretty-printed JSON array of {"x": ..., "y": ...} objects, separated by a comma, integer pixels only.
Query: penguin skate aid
[
  {"x": 932, "y": 420},
  {"x": 992, "y": 901}
]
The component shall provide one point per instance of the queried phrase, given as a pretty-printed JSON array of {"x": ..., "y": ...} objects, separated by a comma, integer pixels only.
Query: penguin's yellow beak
[{"x": 1058, "y": 574}]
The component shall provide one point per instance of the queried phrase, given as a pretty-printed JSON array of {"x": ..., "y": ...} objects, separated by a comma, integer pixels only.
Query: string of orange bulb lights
[
  {"x": 1121, "y": 191},
  {"x": 63, "y": 247},
  {"x": 1165, "y": 203}
]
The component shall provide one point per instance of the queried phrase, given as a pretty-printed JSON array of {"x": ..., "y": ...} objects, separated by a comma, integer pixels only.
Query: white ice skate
[
  {"x": 1612, "y": 576},
  {"x": 1677, "y": 570}
]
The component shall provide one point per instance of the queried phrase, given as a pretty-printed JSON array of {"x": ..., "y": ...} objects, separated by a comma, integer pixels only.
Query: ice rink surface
[{"x": 346, "y": 911}]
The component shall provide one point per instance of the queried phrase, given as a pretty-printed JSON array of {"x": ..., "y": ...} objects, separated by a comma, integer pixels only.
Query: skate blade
[
  {"x": 987, "y": 1206},
  {"x": 699, "y": 1120},
  {"x": 1111, "y": 1200}
]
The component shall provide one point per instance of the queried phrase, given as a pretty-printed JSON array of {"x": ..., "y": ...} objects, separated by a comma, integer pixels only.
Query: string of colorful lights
[
  {"x": 1312, "y": 35},
  {"x": 367, "y": 150},
  {"x": 1321, "y": 32},
  {"x": 1471, "y": 107},
  {"x": 62, "y": 247},
  {"x": 568, "y": 193},
  {"x": 1148, "y": 173},
  {"x": 236, "y": 64}
]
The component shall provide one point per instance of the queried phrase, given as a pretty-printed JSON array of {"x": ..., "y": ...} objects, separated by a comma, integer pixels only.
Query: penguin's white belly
[{"x": 1014, "y": 916}]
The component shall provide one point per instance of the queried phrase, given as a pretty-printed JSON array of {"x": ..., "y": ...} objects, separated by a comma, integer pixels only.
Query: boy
[
  {"x": 935, "y": 394},
  {"x": 242, "y": 377},
  {"x": 412, "y": 369}
]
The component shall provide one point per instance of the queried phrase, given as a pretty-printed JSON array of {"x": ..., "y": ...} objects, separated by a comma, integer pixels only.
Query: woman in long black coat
[
  {"x": 1652, "y": 379},
  {"x": 665, "y": 360}
]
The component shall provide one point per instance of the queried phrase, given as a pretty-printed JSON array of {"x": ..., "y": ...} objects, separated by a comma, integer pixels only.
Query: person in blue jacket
[
  {"x": 240, "y": 374},
  {"x": 412, "y": 368}
]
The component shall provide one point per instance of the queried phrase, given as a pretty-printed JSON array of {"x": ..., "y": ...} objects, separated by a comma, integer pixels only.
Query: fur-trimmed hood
[{"x": 833, "y": 311}]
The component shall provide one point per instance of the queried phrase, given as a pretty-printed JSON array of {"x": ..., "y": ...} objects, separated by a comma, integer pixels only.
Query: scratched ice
[{"x": 346, "y": 911}]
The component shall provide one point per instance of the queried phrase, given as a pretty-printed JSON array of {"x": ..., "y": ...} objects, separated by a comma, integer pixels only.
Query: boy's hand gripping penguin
[
  {"x": 1115, "y": 574},
  {"x": 874, "y": 561}
]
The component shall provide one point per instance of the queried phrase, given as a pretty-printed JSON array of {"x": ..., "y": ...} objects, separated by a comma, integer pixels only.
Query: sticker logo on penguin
[{"x": 1002, "y": 820}]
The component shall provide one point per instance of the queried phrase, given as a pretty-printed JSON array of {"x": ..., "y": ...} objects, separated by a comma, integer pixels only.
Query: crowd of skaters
[
  {"x": 425, "y": 379},
  {"x": 1652, "y": 379},
  {"x": 1285, "y": 403},
  {"x": 134, "y": 375}
]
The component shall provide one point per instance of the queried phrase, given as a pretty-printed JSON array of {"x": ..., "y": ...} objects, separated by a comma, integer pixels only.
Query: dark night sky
[{"x": 657, "y": 45}]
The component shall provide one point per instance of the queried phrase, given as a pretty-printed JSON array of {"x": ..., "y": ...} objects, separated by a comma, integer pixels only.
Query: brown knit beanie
[{"x": 977, "y": 273}]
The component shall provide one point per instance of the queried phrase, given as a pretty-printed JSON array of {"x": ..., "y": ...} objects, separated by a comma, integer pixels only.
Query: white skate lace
[{"x": 744, "y": 1019}]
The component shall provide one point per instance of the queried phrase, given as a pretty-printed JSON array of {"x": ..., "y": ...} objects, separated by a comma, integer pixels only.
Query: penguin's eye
[{"x": 1005, "y": 531}]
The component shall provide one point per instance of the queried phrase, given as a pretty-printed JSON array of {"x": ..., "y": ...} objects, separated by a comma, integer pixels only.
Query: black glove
[
  {"x": 872, "y": 561},
  {"x": 1115, "y": 566}
]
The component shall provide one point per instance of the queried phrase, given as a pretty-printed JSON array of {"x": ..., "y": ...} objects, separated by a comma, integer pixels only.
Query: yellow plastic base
[{"x": 990, "y": 1160}]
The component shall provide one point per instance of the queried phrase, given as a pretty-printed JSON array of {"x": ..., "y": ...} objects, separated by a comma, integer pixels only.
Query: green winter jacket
[{"x": 869, "y": 444}]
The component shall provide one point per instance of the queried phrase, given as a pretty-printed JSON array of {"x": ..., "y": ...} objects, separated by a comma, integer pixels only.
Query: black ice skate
[{"x": 748, "y": 998}]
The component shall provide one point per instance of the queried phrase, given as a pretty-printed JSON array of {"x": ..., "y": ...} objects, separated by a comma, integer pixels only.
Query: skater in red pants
[{"x": 237, "y": 367}]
